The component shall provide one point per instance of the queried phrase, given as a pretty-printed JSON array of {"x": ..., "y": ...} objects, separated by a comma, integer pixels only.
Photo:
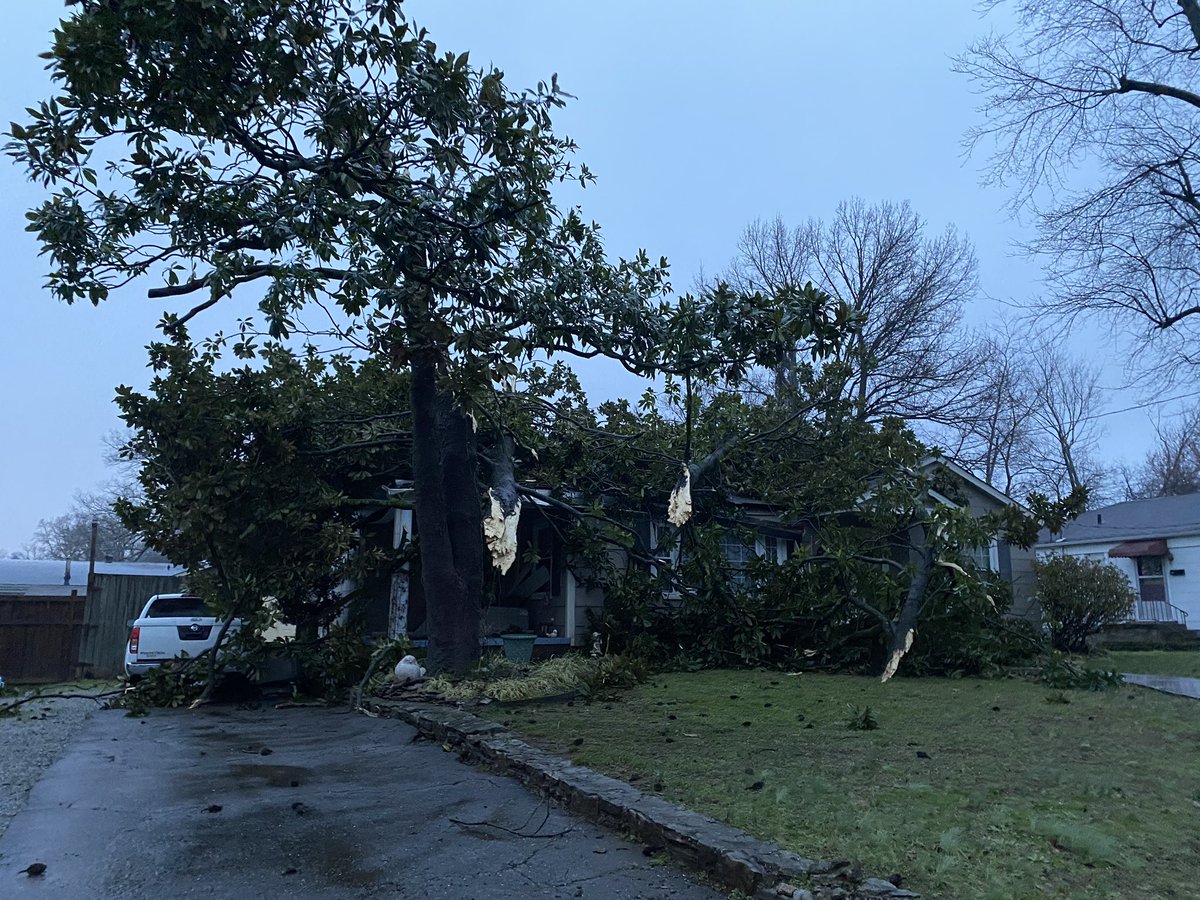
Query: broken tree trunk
[
  {"x": 500, "y": 525},
  {"x": 905, "y": 626}
]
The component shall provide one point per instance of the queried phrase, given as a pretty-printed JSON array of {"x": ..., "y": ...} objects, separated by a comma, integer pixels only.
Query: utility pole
[{"x": 92, "y": 554}]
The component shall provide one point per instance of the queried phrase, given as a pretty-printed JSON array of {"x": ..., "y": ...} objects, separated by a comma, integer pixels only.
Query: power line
[{"x": 1147, "y": 404}]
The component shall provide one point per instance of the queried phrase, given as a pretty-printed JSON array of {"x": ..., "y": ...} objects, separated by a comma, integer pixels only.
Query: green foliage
[
  {"x": 796, "y": 616},
  {"x": 1061, "y": 672},
  {"x": 328, "y": 159},
  {"x": 171, "y": 685},
  {"x": 965, "y": 629},
  {"x": 253, "y": 478},
  {"x": 332, "y": 665},
  {"x": 1078, "y": 597}
]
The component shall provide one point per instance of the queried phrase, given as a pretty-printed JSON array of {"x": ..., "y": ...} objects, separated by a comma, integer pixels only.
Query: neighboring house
[
  {"x": 541, "y": 594},
  {"x": 55, "y": 626},
  {"x": 66, "y": 578},
  {"x": 1155, "y": 543}
]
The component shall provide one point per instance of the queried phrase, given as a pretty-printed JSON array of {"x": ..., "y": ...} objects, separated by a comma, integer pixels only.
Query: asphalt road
[{"x": 188, "y": 804}]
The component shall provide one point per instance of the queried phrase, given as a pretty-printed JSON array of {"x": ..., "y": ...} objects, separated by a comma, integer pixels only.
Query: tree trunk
[
  {"x": 913, "y": 598},
  {"x": 904, "y": 627},
  {"x": 464, "y": 516},
  {"x": 449, "y": 523}
]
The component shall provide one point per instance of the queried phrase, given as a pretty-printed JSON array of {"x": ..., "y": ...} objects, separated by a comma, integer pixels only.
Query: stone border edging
[{"x": 730, "y": 856}]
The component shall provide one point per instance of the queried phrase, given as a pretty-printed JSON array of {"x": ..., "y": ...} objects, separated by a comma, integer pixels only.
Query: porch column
[
  {"x": 398, "y": 601},
  {"x": 569, "y": 600}
]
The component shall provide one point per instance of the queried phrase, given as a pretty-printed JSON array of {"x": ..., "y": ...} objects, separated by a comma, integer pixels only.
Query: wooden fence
[
  {"x": 111, "y": 602},
  {"x": 39, "y": 637}
]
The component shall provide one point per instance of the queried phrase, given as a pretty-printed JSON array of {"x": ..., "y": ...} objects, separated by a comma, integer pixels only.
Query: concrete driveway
[{"x": 301, "y": 803}]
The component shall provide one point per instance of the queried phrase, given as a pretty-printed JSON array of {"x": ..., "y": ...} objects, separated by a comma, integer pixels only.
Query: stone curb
[{"x": 727, "y": 855}]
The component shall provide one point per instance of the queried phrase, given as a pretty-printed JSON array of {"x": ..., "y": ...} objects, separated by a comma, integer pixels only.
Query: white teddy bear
[{"x": 407, "y": 670}]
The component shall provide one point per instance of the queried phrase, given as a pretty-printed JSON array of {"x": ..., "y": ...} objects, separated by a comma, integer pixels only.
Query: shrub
[{"x": 1079, "y": 597}]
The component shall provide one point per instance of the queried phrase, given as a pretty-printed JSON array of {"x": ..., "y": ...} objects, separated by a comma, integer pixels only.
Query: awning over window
[{"x": 1133, "y": 549}]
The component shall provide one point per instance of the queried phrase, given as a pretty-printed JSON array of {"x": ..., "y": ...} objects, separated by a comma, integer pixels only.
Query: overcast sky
[{"x": 697, "y": 117}]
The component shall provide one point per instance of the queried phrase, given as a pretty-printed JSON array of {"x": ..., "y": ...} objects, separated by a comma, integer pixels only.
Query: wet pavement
[
  {"x": 302, "y": 803},
  {"x": 1168, "y": 684}
]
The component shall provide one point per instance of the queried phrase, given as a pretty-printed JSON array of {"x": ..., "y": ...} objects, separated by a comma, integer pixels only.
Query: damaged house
[{"x": 539, "y": 588}]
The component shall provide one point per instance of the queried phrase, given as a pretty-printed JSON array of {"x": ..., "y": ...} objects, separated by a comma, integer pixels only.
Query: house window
[
  {"x": 1152, "y": 587},
  {"x": 738, "y": 552},
  {"x": 670, "y": 558},
  {"x": 770, "y": 545},
  {"x": 984, "y": 558}
]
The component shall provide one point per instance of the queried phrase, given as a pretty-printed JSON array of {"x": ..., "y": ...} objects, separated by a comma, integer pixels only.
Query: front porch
[{"x": 539, "y": 595}]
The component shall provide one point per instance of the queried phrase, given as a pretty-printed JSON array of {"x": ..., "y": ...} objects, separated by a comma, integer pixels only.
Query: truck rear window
[{"x": 182, "y": 607}]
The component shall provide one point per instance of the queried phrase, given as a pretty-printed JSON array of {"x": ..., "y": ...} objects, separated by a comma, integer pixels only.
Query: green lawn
[
  {"x": 1149, "y": 662},
  {"x": 1019, "y": 797}
]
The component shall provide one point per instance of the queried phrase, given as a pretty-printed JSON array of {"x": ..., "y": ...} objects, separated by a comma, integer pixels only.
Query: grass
[
  {"x": 1149, "y": 662},
  {"x": 968, "y": 788}
]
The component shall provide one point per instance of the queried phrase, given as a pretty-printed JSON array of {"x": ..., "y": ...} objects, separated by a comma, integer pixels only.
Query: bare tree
[
  {"x": 1065, "y": 401},
  {"x": 909, "y": 356},
  {"x": 998, "y": 441},
  {"x": 1095, "y": 123},
  {"x": 69, "y": 536},
  {"x": 1172, "y": 465}
]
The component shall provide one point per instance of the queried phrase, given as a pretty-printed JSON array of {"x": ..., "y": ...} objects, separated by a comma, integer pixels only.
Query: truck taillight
[{"x": 133, "y": 639}]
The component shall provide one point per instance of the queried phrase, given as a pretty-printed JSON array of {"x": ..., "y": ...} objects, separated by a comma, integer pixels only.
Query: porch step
[{"x": 1146, "y": 635}]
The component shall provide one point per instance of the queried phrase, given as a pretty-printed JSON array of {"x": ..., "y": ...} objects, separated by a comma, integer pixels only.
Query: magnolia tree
[
  {"x": 285, "y": 154},
  {"x": 324, "y": 158},
  {"x": 286, "y": 157}
]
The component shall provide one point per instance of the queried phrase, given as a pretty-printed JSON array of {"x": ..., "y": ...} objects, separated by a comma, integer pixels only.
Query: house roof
[
  {"x": 972, "y": 479},
  {"x": 1159, "y": 517},
  {"x": 71, "y": 574}
]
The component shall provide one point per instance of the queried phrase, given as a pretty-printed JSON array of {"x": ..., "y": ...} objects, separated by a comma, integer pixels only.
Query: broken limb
[
  {"x": 905, "y": 625},
  {"x": 500, "y": 523},
  {"x": 9, "y": 708}
]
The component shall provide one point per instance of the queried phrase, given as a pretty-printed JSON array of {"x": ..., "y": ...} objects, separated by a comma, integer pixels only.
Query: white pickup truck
[{"x": 170, "y": 626}]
